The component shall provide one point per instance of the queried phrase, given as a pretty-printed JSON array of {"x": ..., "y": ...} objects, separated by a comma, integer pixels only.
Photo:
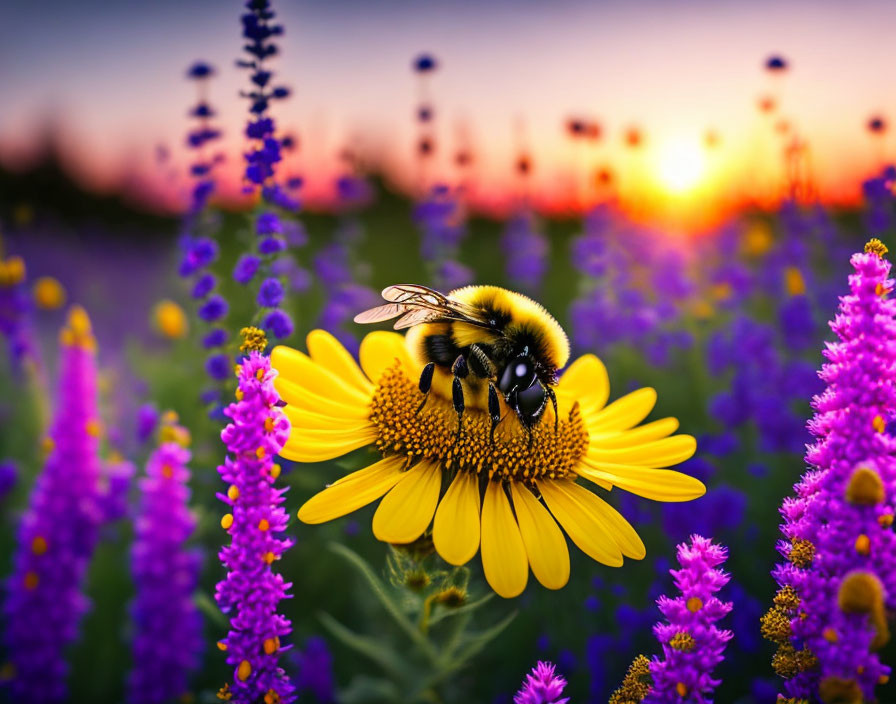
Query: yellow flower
[
  {"x": 505, "y": 498},
  {"x": 170, "y": 319},
  {"x": 12, "y": 271},
  {"x": 49, "y": 293},
  {"x": 793, "y": 278},
  {"x": 758, "y": 239}
]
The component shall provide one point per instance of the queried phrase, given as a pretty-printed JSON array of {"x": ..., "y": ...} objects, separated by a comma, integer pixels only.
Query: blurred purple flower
[
  {"x": 204, "y": 285},
  {"x": 9, "y": 475},
  {"x": 219, "y": 367},
  {"x": 270, "y": 293},
  {"x": 216, "y": 337},
  {"x": 214, "y": 308},
  {"x": 525, "y": 251},
  {"x": 58, "y": 531},
  {"x": 199, "y": 254},
  {"x": 278, "y": 323},
  {"x": 246, "y": 267},
  {"x": 168, "y": 627},
  {"x": 271, "y": 245},
  {"x": 425, "y": 63},
  {"x": 268, "y": 224},
  {"x": 314, "y": 670},
  {"x": 147, "y": 420}
]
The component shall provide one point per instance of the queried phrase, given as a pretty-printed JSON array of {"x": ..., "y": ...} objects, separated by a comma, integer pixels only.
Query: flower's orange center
[{"x": 432, "y": 434}]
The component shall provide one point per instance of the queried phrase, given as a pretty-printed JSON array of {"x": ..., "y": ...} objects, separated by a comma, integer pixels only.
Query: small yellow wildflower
[
  {"x": 49, "y": 294},
  {"x": 170, "y": 320}
]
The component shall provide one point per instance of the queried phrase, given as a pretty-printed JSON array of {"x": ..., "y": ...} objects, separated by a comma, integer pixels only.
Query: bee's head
[{"x": 523, "y": 383}]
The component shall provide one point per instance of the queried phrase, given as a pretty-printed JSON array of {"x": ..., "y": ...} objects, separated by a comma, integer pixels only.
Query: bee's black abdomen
[{"x": 440, "y": 349}]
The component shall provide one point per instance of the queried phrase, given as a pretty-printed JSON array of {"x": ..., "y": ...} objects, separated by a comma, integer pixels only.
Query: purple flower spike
[
  {"x": 118, "y": 476},
  {"x": 204, "y": 285},
  {"x": 279, "y": 323},
  {"x": 692, "y": 643},
  {"x": 9, "y": 475},
  {"x": 838, "y": 580},
  {"x": 246, "y": 268},
  {"x": 314, "y": 670},
  {"x": 251, "y": 591},
  {"x": 268, "y": 224},
  {"x": 542, "y": 686},
  {"x": 214, "y": 308},
  {"x": 168, "y": 640},
  {"x": 147, "y": 421},
  {"x": 270, "y": 294},
  {"x": 58, "y": 532}
]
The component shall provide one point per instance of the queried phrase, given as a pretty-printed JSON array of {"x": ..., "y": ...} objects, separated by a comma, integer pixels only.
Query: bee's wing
[
  {"x": 420, "y": 304},
  {"x": 417, "y": 316},
  {"x": 414, "y": 293},
  {"x": 381, "y": 313}
]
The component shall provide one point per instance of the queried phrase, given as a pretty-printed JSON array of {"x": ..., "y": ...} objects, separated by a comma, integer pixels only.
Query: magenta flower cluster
[
  {"x": 168, "y": 627},
  {"x": 838, "y": 579},
  {"x": 692, "y": 642},
  {"x": 542, "y": 686},
  {"x": 252, "y": 590},
  {"x": 58, "y": 532}
]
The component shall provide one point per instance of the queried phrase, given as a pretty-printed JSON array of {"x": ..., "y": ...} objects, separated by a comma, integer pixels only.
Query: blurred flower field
[{"x": 149, "y": 543}]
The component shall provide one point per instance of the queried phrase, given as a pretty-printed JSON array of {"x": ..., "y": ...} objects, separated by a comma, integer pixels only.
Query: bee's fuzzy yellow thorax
[
  {"x": 432, "y": 434},
  {"x": 525, "y": 314}
]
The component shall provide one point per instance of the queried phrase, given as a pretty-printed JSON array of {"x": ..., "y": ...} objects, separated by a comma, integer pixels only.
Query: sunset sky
[{"x": 108, "y": 78}]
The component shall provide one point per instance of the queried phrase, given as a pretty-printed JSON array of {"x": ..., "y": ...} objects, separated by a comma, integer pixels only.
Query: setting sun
[{"x": 680, "y": 164}]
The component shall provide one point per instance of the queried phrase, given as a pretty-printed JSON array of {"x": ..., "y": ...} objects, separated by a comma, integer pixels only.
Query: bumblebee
[{"x": 478, "y": 342}]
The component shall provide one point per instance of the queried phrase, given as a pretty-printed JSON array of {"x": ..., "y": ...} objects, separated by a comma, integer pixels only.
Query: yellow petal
[
  {"x": 455, "y": 530},
  {"x": 656, "y": 484},
  {"x": 643, "y": 433},
  {"x": 352, "y": 491},
  {"x": 586, "y": 379},
  {"x": 602, "y": 483},
  {"x": 302, "y": 418},
  {"x": 378, "y": 352},
  {"x": 503, "y": 553},
  {"x": 302, "y": 446},
  {"x": 544, "y": 541},
  {"x": 613, "y": 522},
  {"x": 406, "y": 511},
  {"x": 585, "y": 528},
  {"x": 300, "y": 397},
  {"x": 659, "y": 453},
  {"x": 623, "y": 413},
  {"x": 299, "y": 368},
  {"x": 328, "y": 352}
]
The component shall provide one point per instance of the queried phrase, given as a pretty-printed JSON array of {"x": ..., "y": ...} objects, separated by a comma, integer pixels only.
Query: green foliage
[{"x": 429, "y": 606}]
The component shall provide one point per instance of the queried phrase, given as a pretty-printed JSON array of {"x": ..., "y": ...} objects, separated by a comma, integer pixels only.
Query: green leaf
[
  {"x": 392, "y": 608},
  {"x": 369, "y": 647},
  {"x": 210, "y": 608},
  {"x": 444, "y": 613},
  {"x": 477, "y": 641},
  {"x": 364, "y": 690}
]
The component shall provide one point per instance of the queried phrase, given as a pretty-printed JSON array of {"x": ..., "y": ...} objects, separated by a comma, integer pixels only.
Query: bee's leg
[
  {"x": 551, "y": 395},
  {"x": 494, "y": 410},
  {"x": 426, "y": 383},
  {"x": 479, "y": 363},
  {"x": 460, "y": 371}
]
